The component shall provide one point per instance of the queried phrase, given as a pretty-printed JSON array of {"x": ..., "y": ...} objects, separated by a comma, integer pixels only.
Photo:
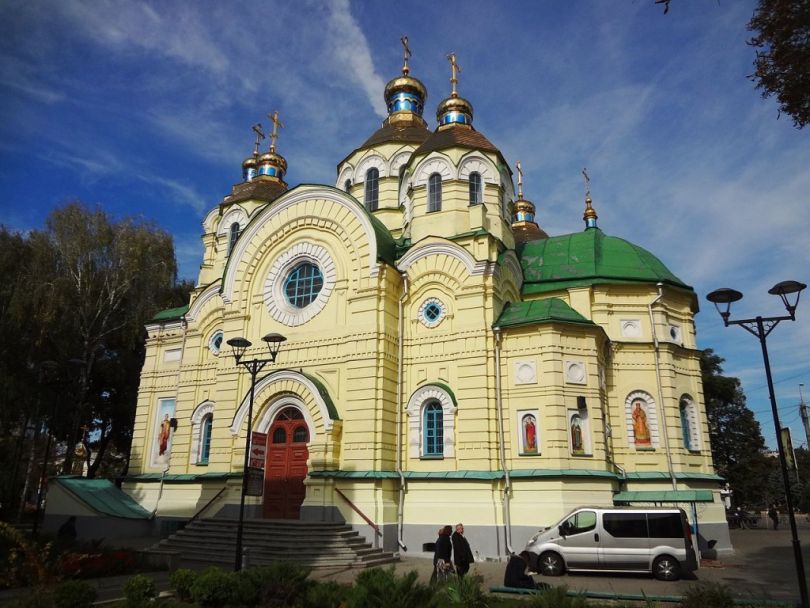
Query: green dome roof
[{"x": 586, "y": 258}]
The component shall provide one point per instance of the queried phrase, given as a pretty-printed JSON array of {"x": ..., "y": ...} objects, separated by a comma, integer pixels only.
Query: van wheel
[
  {"x": 666, "y": 568},
  {"x": 551, "y": 564}
]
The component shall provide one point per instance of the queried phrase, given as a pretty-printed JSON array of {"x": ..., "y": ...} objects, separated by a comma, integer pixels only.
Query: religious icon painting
[
  {"x": 529, "y": 433},
  {"x": 578, "y": 434},
  {"x": 641, "y": 424},
  {"x": 162, "y": 443}
]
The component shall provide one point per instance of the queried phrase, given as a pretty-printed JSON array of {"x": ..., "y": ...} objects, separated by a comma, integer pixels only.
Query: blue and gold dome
[
  {"x": 405, "y": 96},
  {"x": 454, "y": 110}
]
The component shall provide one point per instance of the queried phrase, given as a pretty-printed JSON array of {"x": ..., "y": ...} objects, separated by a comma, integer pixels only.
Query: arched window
[
  {"x": 476, "y": 197},
  {"x": 280, "y": 435},
  {"x": 433, "y": 429},
  {"x": 347, "y": 184},
  {"x": 689, "y": 426},
  {"x": 205, "y": 439},
  {"x": 233, "y": 236},
  {"x": 372, "y": 197},
  {"x": 434, "y": 193},
  {"x": 300, "y": 434},
  {"x": 303, "y": 284}
]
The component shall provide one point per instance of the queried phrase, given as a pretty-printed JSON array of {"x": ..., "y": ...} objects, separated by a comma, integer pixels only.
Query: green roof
[
  {"x": 463, "y": 474},
  {"x": 182, "y": 477},
  {"x": 549, "y": 310},
  {"x": 171, "y": 314},
  {"x": 587, "y": 258},
  {"x": 102, "y": 496},
  {"x": 663, "y": 496}
]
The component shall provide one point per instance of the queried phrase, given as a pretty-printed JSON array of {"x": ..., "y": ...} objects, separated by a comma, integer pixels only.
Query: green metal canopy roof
[
  {"x": 104, "y": 497},
  {"x": 170, "y": 314},
  {"x": 589, "y": 257},
  {"x": 549, "y": 310},
  {"x": 663, "y": 496}
]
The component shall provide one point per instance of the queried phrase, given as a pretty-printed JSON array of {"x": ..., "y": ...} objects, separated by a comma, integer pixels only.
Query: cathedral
[{"x": 437, "y": 357}]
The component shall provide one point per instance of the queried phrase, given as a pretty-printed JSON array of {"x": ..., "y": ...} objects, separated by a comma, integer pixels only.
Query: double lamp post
[
  {"x": 760, "y": 327},
  {"x": 254, "y": 366}
]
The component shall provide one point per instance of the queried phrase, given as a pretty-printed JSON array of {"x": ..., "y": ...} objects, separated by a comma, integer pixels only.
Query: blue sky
[{"x": 146, "y": 109}]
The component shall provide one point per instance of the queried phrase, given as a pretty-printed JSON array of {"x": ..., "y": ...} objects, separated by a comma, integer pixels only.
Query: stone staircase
[{"x": 317, "y": 544}]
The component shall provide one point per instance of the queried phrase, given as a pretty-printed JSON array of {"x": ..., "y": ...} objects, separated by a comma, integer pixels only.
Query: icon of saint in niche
[
  {"x": 163, "y": 435},
  {"x": 576, "y": 435},
  {"x": 529, "y": 434},
  {"x": 641, "y": 429}
]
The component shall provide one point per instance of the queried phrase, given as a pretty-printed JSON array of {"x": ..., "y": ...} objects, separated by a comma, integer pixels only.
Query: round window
[
  {"x": 431, "y": 312},
  {"x": 303, "y": 284},
  {"x": 215, "y": 343}
]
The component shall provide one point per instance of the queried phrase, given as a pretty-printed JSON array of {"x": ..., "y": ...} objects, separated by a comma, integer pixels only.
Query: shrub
[
  {"x": 279, "y": 584},
  {"x": 139, "y": 591},
  {"x": 74, "y": 594},
  {"x": 467, "y": 591},
  {"x": 701, "y": 595},
  {"x": 327, "y": 594},
  {"x": 378, "y": 588},
  {"x": 215, "y": 588},
  {"x": 181, "y": 581},
  {"x": 557, "y": 597}
]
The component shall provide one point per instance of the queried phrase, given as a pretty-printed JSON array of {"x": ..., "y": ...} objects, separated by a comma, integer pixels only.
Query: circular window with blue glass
[
  {"x": 215, "y": 342},
  {"x": 303, "y": 284},
  {"x": 432, "y": 312}
]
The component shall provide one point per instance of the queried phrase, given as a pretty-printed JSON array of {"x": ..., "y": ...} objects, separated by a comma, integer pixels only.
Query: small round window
[
  {"x": 215, "y": 343},
  {"x": 303, "y": 284},
  {"x": 432, "y": 312}
]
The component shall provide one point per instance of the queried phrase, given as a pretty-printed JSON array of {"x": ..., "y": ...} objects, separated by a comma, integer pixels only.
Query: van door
[
  {"x": 625, "y": 543},
  {"x": 579, "y": 540}
]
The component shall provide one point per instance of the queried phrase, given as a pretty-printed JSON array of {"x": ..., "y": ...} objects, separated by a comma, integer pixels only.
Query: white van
[{"x": 617, "y": 539}]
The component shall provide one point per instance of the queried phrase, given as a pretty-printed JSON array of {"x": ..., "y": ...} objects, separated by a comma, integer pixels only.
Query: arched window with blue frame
[
  {"x": 205, "y": 438},
  {"x": 434, "y": 193},
  {"x": 372, "y": 193},
  {"x": 433, "y": 426}
]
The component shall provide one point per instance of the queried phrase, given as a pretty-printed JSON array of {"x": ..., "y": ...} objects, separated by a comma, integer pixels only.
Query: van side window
[
  {"x": 665, "y": 525},
  {"x": 579, "y": 522},
  {"x": 625, "y": 525}
]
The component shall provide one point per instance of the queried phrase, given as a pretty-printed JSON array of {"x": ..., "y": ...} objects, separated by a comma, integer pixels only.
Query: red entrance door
[{"x": 286, "y": 465}]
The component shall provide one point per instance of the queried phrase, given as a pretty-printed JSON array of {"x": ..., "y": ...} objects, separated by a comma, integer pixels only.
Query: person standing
[
  {"x": 773, "y": 513},
  {"x": 443, "y": 550},
  {"x": 462, "y": 554}
]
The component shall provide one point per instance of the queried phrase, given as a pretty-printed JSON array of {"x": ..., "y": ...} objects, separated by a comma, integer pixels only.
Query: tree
[
  {"x": 783, "y": 64},
  {"x": 738, "y": 448}
]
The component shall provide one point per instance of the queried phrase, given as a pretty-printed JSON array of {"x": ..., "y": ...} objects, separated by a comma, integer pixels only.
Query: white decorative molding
[
  {"x": 284, "y": 401},
  {"x": 630, "y": 328},
  {"x": 235, "y": 215},
  {"x": 212, "y": 291},
  {"x": 478, "y": 163},
  {"x": 575, "y": 372},
  {"x": 510, "y": 261},
  {"x": 280, "y": 208},
  {"x": 526, "y": 372},
  {"x": 200, "y": 412},
  {"x": 431, "y": 323},
  {"x": 648, "y": 406},
  {"x": 275, "y": 297},
  {"x": 212, "y": 342},
  {"x": 172, "y": 354},
  {"x": 674, "y": 334},
  {"x": 433, "y": 164},
  {"x": 209, "y": 223},
  {"x": 405, "y": 201},
  {"x": 399, "y": 159},
  {"x": 276, "y": 377},
  {"x": 473, "y": 266},
  {"x": 372, "y": 160},
  {"x": 416, "y": 405},
  {"x": 686, "y": 402},
  {"x": 347, "y": 173}
]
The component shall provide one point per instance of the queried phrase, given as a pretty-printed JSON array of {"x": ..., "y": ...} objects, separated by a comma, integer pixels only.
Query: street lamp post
[
  {"x": 760, "y": 327},
  {"x": 254, "y": 366}
]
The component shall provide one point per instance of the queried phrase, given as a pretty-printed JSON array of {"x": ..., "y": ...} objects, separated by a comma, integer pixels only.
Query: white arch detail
[
  {"x": 372, "y": 160},
  {"x": 398, "y": 160},
  {"x": 652, "y": 417},
  {"x": 283, "y": 401},
  {"x": 433, "y": 164},
  {"x": 279, "y": 208},
  {"x": 212, "y": 291},
  {"x": 200, "y": 412},
  {"x": 347, "y": 173},
  {"x": 480, "y": 164},
  {"x": 511, "y": 262},
  {"x": 236, "y": 215},
  {"x": 414, "y": 409},
  {"x": 473, "y": 266},
  {"x": 280, "y": 376}
]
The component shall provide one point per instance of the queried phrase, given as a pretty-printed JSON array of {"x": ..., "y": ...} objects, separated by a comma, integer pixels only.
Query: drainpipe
[
  {"x": 401, "y": 347},
  {"x": 507, "y": 488},
  {"x": 661, "y": 409}
]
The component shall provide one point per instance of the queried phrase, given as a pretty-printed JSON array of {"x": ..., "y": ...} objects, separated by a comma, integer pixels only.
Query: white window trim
[
  {"x": 415, "y": 410},
  {"x": 692, "y": 419},
  {"x": 276, "y": 300},
  {"x": 201, "y": 411},
  {"x": 652, "y": 418}
]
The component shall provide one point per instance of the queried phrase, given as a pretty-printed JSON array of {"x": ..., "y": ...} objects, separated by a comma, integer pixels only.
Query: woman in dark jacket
[{"x": 444, "y": 548}]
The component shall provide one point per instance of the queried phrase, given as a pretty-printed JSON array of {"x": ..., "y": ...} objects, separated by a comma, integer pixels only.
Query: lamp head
[
  {"x": 273, "y": 342},
  {"x": 722, "y": 299},
  {"x": 785, "y": 290},
  {"x": 239, "y": 346}
]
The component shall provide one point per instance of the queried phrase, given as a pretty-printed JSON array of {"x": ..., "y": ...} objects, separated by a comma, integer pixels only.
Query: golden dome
[
  {"x": 271, "y": 158},
  {"x": 405, "y": 84},
  {"x": 454, "y": 110}
]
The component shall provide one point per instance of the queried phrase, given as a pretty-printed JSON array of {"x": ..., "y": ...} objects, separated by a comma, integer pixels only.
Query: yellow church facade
[{"x": 445, "y": 359}]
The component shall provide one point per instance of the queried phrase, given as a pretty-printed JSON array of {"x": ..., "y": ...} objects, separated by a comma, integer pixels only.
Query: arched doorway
[{"x": 286, "y": 466}]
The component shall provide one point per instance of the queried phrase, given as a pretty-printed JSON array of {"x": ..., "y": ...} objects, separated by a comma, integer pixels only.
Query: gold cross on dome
[
  {"x": 257, "y": 128},
  {"x": 587, "y": 182},
  {"x": 407, "y": 49},
  {"x": 520, "y": 180},
  {"x": 274, "y": 135},
  {"x": 455, "y": 68}
]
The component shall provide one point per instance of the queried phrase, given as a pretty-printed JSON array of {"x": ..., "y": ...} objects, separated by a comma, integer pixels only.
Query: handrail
[
  {"x": 206, "y": 505},
  {"x": 359, "y": 512}
]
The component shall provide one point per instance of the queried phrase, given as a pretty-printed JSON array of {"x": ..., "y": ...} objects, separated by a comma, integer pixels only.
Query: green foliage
[
  {"x": 139, "y": 591},
  {"x": 26, "y": 563},
  {"x": 279, "y": 584},
  {"x": 181, "y": 581},
  {"x": 557, "y": 597},
  {"x": 736, "y": 438},
  {"x": 706, "y": 594},
  {"x": 74, "y": 594},
  {"x": 215, "y": 588},
  {"x": 382, "y": 588},
  {"x": 782, "y": 63},
  {"x": 327, "y": 594},
  {"x": 467, "y": 591}
]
